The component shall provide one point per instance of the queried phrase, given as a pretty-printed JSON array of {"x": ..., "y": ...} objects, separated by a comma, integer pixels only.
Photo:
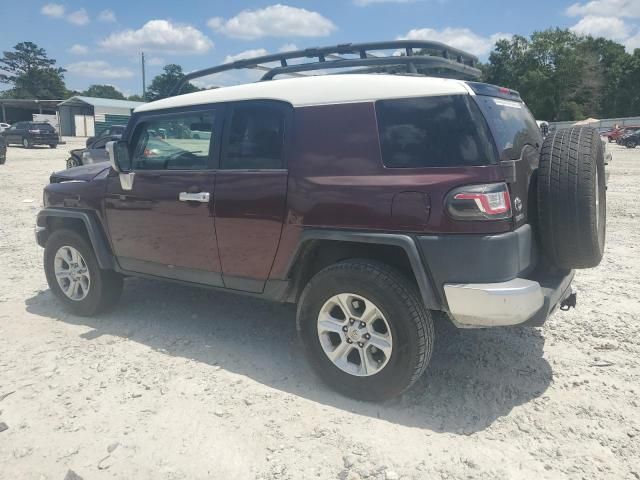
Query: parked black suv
[
  {"x": 29, "y": 134},
  {"x": 3, "y": 150}
]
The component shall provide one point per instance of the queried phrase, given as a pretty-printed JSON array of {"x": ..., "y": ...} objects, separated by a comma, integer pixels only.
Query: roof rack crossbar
[{"x": 438, "y": 56}]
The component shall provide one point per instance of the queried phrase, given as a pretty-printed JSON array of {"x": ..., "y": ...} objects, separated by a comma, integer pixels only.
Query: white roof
[{"x": 320, "y": 90}]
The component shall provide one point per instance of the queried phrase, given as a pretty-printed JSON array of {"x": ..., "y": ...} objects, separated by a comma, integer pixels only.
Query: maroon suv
[{"x": 371, "y": 201}]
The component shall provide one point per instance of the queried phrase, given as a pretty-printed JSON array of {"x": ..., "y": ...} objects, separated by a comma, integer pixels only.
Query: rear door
[
  {"x": 163, "y": 225},
  {"x": 251, "y": 190}
]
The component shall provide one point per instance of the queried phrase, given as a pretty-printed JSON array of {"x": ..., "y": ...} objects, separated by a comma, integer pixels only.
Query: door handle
[{"x": 202, "y": 197}]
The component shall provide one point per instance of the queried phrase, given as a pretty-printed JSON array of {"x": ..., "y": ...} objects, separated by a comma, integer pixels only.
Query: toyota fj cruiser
[{"x": 371, "y": 201}]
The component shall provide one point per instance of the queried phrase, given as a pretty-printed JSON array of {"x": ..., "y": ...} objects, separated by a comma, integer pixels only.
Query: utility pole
[{"x": 144, "y": 80}]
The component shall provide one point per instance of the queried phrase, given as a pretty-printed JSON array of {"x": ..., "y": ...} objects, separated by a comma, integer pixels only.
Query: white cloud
[
  {"x": 618, "y": 8},
  {"x": 78, "y": 49},
  {"x": 597, "y": 26},
  {"x": 366, "y": 3},
  {"x": 461, "y": 38},
  {"x": 287, "y": 47},
  {"x": 79, "y": 17},
  {"x": 107, "y": 16},
  {"x": 155, "y": 61},
  {"x": 274, "y": 21},
  {"x": 98, "y": 69},
  {"x": 159, "y": 36},
  {"x": 632, "y": 42},
  {"x": 258, "y": 52},
  {"x": 53, "y": 10},
  {"x": 605, "y": 18}
]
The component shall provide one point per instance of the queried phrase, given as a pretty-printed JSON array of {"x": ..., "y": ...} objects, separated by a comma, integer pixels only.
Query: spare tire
[{"x": 572, "y": 198}]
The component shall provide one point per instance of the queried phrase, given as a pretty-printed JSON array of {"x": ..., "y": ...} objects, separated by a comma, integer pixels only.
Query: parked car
[
  {"x": 631, "y": 140},
  {"x": 113, "y": 130},
  {"x": 96, "y": 153},
  {"x": 624, "y": 131},
  {"x": 373, "y": 202},
  {"x": 29, "y": 134},
  {"x": 4, "y": 126},
  {"x": 3, "y": 150}
]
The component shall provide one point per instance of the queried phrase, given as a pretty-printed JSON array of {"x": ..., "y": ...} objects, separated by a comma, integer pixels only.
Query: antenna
[{"x": 144, "y": 80}]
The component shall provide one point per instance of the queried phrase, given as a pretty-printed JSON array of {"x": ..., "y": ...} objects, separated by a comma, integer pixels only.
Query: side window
[
  {"x": 442, "y": 131},
  {"x": 173, "y": 142},
  {"x": 256, "y": 137},
  {"x": 102, "y": 143}
]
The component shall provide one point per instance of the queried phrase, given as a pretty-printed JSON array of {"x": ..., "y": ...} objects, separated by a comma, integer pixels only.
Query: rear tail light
[{"x": 480, "y": 202}]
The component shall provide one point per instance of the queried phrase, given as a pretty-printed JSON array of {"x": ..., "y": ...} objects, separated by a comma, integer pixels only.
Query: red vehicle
[
  {"x": 616, "y": 133},
  {"x": 373, "y": 202}
]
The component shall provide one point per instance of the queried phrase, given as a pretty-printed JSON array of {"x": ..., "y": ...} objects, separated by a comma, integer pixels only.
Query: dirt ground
[{"x": 188, "y": 383}]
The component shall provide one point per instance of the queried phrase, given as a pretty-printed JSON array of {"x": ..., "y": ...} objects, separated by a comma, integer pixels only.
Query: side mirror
[{"x": 118, "y": 152}]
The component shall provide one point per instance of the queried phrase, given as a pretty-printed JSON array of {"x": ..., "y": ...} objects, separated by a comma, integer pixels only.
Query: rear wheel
[
  {"x": 571, "y": 198},
  {"x": 631, "y": 144},
  {"x": 53, "y": 145},
  {"x": 26, "y": 143},
  {"x": 74, "y": 276},
  {"x": 365, "y": 330}
]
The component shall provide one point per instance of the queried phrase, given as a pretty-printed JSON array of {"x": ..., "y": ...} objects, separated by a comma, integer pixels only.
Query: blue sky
[{"x": 99, "y": 42}]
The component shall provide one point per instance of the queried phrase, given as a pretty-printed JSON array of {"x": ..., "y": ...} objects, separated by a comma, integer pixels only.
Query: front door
[
  {"x": 251, "y": 191},
  {"x": 163, "y": 225}
]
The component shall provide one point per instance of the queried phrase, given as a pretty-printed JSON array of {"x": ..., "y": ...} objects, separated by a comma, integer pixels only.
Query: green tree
[
  {"x": 162, "y": 85},
  {"x": 103, "y": 91},
  {"x": 31, "y": 73},
  {"x": 135, "y": 98},
  {"x": 562, "y": 76}
]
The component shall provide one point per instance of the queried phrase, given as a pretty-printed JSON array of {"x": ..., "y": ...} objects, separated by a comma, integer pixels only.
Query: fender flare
[
  {"x": 428, "y": 293},
  {"x": 94, "y": 231}
]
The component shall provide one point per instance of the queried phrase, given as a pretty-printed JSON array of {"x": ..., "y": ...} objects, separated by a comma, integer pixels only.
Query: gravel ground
[{"x": 188, "y": 383}]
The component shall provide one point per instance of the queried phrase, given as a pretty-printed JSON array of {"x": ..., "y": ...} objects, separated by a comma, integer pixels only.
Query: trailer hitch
[{"x": 569, "y": 301}]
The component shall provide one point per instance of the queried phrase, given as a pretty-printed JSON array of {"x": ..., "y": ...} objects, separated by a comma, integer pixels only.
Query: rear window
[
  {"x": 441, "y": 131},
  {"x": 511, "y": 123},
  {"x": 42, "y": 126}
]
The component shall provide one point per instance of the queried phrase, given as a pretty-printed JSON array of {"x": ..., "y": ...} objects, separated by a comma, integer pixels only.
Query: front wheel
[
  {"x": 631, "y": 144},
  {"x": 73, "y": 162},
  {"x": 53, "y": 145},
  {"x": 74, "y": 276},
  {"x": 365, "y": 330},
  {"x": 26, "y": 143}
]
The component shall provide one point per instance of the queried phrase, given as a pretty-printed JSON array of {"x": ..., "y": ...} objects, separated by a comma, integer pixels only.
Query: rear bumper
[
  {"x": 44, "y": 140},
  {"x": 493, "y": 280},
  {"x": 514, "y": 302}
]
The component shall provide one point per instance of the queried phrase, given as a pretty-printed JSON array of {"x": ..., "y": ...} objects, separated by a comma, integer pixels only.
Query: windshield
[{"x": 511, "y": 123}]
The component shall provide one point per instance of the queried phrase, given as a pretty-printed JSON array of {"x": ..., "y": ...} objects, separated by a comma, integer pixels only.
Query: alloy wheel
[
  {"x": 354, "y": 334},
  {"x": 72, "y": 273}
]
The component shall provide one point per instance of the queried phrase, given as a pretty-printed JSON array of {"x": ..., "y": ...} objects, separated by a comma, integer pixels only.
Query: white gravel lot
[{"x": 187, "y": 383}]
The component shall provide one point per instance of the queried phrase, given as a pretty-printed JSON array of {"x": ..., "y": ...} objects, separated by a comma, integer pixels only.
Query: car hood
[{"x": 84, "y": 173}]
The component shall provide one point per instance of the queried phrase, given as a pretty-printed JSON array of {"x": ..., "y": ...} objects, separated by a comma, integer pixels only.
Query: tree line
[
  {"x": 561, "y": 76},
  {"x": 31, "y": 74}
]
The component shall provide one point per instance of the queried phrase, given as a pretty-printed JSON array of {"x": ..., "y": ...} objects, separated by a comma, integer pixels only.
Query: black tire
[
  {"x": 73, "y": 162},
  {"x": 630, "y": 144},
  {"x": 3, "y": 160},
  {"x": 53, "y": 145},
  {"x": 105, "y": 287},
  {"x": 399, "y": 301},
  {"x": 571, "y": 223},
  {"x": 26, "y": 143}
]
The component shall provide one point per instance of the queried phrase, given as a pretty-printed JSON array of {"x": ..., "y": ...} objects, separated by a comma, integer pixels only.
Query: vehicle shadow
[{"x": 475, "y": 376}]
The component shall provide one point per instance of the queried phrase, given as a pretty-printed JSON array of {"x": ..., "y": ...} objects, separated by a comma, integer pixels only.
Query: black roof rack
[{"x": 437, "y": 58}]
